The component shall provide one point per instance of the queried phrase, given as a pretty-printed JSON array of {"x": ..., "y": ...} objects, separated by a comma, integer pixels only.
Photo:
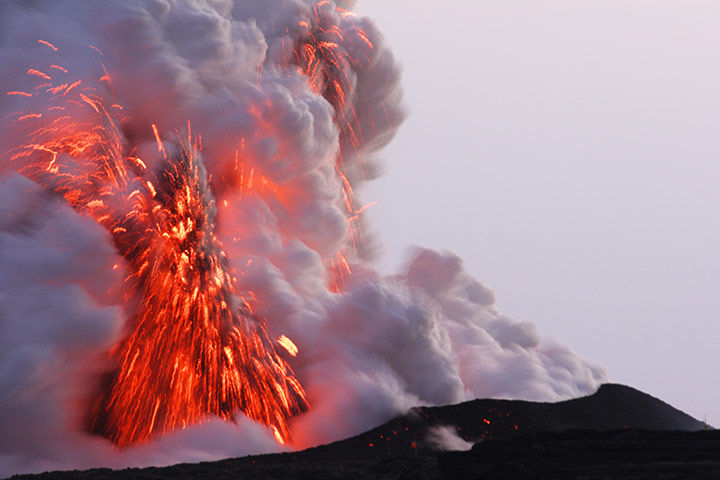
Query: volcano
[
  {"x": 186, "y": 267},
  {"x": 616, "y": 429}
]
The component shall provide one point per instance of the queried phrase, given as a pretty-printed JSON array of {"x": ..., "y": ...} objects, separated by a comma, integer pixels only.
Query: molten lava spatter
[
  {"x": 331, "y": 69},
  {"x": 193, "y": 347}
]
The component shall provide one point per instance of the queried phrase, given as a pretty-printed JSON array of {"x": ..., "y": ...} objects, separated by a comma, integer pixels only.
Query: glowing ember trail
[
  {"x": 193, "y": 347},
  {"x": 329, "y": 69}
]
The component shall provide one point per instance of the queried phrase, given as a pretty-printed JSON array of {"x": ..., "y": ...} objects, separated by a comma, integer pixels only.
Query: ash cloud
[{"x": 430, "y": 334}]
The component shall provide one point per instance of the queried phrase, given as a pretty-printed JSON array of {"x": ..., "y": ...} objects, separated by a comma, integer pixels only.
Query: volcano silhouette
[{"x": 618, "y": 432}]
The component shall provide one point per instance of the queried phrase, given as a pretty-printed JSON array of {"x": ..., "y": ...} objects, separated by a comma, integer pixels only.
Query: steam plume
[{"x": 287, "y": 102}]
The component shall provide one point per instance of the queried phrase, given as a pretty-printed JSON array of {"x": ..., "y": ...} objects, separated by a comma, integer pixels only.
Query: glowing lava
[
  {"x": 193, "y": 347},
  {"x": 330, "y": 67}
]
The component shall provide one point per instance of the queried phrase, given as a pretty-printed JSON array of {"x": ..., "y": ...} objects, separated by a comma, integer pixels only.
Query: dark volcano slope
[
  {"x": 403, "y": 447},
  {"x": 584, "y": 454},
  {"x": 612, "y": 407}
]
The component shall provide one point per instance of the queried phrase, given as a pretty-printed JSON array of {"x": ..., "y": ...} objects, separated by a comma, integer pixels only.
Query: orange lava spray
[{"x": 192, "y": 347}]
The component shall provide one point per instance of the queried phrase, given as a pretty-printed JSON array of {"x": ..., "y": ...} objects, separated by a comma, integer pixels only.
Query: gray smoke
[{"x": 430, "y": 334}]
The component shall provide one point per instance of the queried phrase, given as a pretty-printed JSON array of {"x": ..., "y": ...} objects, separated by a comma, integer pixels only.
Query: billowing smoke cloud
[{"x": 287, "y": 142}]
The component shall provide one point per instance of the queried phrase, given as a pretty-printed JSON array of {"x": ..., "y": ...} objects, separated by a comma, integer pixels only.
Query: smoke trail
[{"x": 289, "y": 100}]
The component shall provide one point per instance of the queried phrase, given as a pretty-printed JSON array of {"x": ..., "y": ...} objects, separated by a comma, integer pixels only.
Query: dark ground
[
  {"x": 618, "y": 432},
  {"x": 586, "y": 454}
]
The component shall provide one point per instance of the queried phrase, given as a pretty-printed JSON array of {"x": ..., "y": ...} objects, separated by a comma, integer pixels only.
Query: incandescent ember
[{"x": 192, "y": 347}]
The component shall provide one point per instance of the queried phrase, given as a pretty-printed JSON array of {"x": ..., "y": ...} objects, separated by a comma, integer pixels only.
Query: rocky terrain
[
  {"x": 586, "y": 454},
  {"x": 618, "y": 432}
]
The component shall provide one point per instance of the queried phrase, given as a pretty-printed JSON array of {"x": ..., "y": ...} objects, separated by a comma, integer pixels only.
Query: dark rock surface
[
  {"x": 585, "y": 454},
  {"x": 618, "y": 432}
]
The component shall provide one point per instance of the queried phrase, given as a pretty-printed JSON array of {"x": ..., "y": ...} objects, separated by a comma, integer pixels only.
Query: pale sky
[{"x": 569, "y": 151}]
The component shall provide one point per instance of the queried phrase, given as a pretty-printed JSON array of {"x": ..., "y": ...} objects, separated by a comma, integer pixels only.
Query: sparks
[
  {"x": 161, "y": 147},
  {"x": 96, "y": 49},
  {"x": 288, "y": 345},
  {"x": 191, "y": 332},
  {"x": 48, "y": 44},
  {"x": 38, "y": 73},
  {"x": 30, "y": 115},
  {"x": 327, "y": 64}
]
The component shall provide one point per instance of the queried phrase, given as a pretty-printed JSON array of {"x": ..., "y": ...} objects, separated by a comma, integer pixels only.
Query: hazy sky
[{"x": 570, "y": 152}]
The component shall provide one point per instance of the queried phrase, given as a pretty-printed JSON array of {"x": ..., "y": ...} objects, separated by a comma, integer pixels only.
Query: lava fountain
[{"x": 193, "y": 347}]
